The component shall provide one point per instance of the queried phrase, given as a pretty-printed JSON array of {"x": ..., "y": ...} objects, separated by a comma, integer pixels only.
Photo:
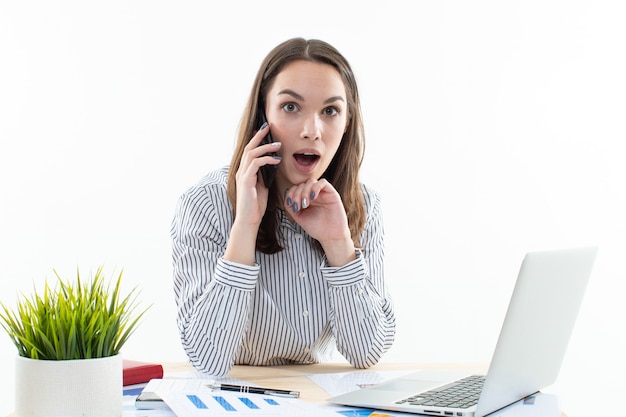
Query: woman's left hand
[{"x": 317, "y": 207}]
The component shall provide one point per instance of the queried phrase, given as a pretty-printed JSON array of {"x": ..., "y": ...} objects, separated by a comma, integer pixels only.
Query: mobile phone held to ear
[{"x": 268, "y": 172}]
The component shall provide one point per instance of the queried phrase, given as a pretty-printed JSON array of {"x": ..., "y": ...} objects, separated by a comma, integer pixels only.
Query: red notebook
[{"x": 136, "y": 372}]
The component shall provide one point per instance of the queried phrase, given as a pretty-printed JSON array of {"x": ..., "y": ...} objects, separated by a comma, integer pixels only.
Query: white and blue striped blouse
[{"x": 288, "y": 308}]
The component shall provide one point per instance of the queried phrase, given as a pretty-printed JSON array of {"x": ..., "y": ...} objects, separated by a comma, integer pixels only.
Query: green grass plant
[{"x": 80, "y": 319}]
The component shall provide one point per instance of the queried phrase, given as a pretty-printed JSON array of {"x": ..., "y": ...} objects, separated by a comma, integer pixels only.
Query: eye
[
  {"x": 290, "y": 107},
  {"x": 331, "y": 111}
]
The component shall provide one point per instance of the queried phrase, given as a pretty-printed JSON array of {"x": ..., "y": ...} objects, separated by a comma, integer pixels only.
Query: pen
[{"x": 256, "y": 390}]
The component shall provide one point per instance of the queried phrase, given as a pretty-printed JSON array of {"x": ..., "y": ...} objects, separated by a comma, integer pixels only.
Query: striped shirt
[{"x": 290, "y": 307}]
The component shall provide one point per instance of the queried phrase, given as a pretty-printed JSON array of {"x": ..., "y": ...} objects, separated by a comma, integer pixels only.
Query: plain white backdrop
[{"x": 493, "y": 128}]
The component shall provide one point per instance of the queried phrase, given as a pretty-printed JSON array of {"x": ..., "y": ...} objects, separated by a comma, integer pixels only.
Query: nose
[{"x": 312, "y": 127}]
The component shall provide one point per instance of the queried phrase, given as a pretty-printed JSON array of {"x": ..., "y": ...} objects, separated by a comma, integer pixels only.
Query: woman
[{"x": 268, "y": 276}]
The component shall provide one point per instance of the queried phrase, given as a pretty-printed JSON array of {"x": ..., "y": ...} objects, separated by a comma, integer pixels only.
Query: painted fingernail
[
  {"x": 312, "y": 195},
  {"x": 263, "y": 126},
  {"x": 295, "y": 207},
  {"x": 289, "y": 201},
  {"x": 304, "y": 203}
]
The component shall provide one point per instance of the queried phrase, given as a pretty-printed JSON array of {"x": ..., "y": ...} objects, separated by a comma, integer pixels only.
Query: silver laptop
[{"x": 528, "y": 355}]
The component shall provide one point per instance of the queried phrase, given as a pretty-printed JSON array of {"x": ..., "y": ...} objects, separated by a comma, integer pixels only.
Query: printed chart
[{"x": 220, "y": 403}]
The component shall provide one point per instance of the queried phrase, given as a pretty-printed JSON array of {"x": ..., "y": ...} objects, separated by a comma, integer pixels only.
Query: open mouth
[{"x": 306, "y": 159}]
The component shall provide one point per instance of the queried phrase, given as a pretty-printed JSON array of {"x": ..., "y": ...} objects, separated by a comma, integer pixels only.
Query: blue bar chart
[{"x": 210, "y": 403}]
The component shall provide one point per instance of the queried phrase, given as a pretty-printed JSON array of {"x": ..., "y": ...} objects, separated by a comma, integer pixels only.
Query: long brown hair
[{"x": 343, "y": 171}]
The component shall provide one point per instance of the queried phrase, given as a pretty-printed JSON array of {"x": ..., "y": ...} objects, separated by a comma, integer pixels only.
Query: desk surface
[{"x": 293, "y": 377}]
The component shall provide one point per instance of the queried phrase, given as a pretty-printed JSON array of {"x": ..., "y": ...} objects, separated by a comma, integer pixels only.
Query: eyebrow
[{"x": 299, "y": 97}]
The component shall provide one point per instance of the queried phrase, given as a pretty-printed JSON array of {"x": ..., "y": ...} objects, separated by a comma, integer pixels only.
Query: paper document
[
  {"x": 193, "y": 398},
  {"x": 342, "y": 382}
]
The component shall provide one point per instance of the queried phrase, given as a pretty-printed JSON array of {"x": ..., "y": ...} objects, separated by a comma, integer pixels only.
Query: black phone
[{"x": 268, "y": 172}]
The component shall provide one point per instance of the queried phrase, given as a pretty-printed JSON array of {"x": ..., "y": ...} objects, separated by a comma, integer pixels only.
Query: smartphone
[{"x": 268, "y": 172}]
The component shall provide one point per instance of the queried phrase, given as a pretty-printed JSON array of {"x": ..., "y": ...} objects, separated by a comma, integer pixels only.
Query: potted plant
[{"x": 68, "y": 339}]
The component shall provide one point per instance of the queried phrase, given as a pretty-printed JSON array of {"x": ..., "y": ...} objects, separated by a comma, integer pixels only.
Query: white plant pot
[{"x": 68, "y": 388}]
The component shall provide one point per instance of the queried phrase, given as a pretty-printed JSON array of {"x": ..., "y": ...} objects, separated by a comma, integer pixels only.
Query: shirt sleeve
[
  {"x": 212, "y": 295},
  {"x": 362, "y": 315}
]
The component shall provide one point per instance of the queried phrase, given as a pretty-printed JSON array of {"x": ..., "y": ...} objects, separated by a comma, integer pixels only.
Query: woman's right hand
[
  {"x": 252, "y": 194},
  {"x": 251, "y": 199}
]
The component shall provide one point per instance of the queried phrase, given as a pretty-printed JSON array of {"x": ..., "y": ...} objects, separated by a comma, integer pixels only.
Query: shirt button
[
  {"x": 302, "y": 274},
  {"x": 360, "y": 291},
  {"x": 305, "y": 313},
  {"x": 298, "y": 236},
  {"x": 307, "y": 350}
]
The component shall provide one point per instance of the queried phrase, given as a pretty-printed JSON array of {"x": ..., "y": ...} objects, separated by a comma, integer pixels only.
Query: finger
[
  {"x": 307, "y": 193},
  {"x": 258, "y": 136},
  {"x": 252, "y": 168},
  {"x": 291, "y": 201},
  {"x": 318, "y": 187},
  {"x": 268, "y": 149},
  {"x": 256, "y": 156},
  {"x": 299, "y": 196}
]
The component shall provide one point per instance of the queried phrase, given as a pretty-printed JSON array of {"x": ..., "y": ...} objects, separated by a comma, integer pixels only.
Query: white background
[{"x": 493, "y": 128}]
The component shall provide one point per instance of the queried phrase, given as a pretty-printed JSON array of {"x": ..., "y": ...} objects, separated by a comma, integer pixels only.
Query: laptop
[{"x": 528, "y": 355}]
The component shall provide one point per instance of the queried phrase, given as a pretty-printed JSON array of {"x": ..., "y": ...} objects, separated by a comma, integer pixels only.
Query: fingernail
[
  {"x": 295, "y": 207},
  {"x": 289, "y": 201},
  {"x": 263, "y": 126},
  {"x": 312, "y": 195},
  {"x": 304, "y": 203}
]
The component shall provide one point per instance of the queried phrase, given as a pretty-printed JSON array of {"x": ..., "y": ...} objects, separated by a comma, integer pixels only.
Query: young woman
[{"x": 278, "y": 275}]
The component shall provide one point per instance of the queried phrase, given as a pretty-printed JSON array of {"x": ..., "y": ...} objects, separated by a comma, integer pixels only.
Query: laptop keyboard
[{"x": 463, "y": 393}]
